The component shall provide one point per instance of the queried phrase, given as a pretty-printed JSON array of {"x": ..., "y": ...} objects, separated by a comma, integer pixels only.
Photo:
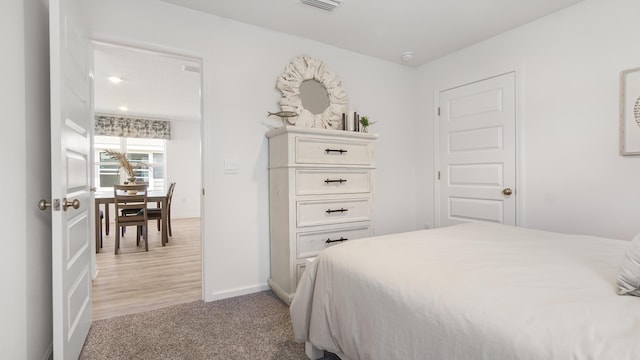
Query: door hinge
[
  {"x": 438, "y": 175},
  {"x": 202, "y": 191},
  {"x": 438, "y": 110}
]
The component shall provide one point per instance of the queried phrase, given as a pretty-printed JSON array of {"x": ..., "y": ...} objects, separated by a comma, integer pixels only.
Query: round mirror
[
  {"x": 312, "y": 93},
  {"x": 314, "y": 96}
]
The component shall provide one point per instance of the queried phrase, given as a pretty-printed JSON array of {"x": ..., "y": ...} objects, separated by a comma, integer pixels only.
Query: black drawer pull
[
  {"x": 328, "y": 181},
  {"x": 329, "y": 241},
  {"x": 327, "y": 150},
  {"x": 341, "y": 210}
]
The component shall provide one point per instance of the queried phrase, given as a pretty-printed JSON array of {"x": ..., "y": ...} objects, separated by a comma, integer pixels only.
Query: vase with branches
[{"x": 125, "y": 164}]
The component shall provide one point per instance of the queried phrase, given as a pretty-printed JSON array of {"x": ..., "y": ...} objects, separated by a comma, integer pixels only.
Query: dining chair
[
  {"x": 131, "y": 197},
  {"x": 130, "y": 212},
  {"x": 156, "y": 213},
  {"x": 106, "y": 219},
  {"x": 100, "y": 227}
]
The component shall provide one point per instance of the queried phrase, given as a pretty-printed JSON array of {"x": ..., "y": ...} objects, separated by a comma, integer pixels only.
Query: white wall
[
  {"x": 183, "y": 167},
  {"x": 240, "y": 66},
  {"x": 13, "y": 257},
  {"x": 572, "y": 178},
  {"x": 25, "y": 259}
]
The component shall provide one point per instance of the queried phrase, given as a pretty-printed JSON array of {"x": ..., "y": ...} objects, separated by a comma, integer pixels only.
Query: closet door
[{"x": 477, "y": 152}]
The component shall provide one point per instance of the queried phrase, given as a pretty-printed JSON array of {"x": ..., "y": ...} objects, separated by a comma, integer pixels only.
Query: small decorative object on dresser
[
  {"x": 283, "y": 114},
  {"x": 364, "y": 121},
  {"x": 320, "y": 194}
]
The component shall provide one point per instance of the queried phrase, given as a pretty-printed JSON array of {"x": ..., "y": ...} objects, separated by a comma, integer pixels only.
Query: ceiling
[
  {"x": 154, "y": 85},
  {"x": 386, "y": 28}
]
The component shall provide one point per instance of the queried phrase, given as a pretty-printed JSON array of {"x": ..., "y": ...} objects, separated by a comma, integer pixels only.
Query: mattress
[{"x": 470, "y": 291}]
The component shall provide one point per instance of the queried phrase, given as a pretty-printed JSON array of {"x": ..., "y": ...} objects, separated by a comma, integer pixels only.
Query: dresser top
[{"x": 325, "y": 132}]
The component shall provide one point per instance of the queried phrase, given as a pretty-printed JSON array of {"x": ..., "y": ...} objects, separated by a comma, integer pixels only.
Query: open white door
[
  {"x": 70, "y": 159},
  {"x": 477, "y": 153}
]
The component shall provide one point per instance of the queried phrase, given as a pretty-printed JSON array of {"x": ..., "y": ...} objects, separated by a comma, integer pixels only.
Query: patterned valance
[{"x": 121, "y": 126}]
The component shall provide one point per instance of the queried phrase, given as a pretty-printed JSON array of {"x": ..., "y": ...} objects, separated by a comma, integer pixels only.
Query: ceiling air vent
[{"x": 328, "y": 5}]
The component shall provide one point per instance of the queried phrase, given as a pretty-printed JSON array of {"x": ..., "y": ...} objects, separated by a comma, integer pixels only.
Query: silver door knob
[
  {"x": 74, "y": 204},
  {"x": 507, "y": 191},
  {"x": 43, "y": 204}
]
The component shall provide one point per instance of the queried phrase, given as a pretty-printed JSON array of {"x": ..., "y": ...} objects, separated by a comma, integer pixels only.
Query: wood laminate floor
[{"x": 135, "y": 281}]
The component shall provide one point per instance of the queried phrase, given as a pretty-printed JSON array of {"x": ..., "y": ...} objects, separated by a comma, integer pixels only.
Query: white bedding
[{"x": 472, "y": 291}]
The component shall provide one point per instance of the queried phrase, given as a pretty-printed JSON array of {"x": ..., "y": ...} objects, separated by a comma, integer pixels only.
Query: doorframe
[
  {"x": 518, "y": 72},
  {"x": 181, "y": 54}
]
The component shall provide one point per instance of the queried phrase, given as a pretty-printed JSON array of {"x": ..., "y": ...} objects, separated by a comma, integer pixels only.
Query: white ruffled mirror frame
[{"x": 300, "y": 70}]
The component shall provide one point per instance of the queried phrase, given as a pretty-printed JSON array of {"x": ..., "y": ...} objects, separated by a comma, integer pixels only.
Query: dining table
[{"x": 107, "y": 197}]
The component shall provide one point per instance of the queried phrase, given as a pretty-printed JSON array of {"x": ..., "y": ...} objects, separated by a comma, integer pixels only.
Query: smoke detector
[
  {"x": 407, "y": 55},
  {"x": 327, "y": 5}
]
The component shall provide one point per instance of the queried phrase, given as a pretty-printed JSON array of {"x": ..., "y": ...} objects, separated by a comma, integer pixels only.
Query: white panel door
[
  {"x": 70, "y": 159},
  {"x": 477, "y": 150}
]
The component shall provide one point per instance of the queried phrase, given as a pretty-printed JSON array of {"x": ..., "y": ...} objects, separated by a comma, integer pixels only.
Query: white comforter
[{"x": 472, "y": 291}]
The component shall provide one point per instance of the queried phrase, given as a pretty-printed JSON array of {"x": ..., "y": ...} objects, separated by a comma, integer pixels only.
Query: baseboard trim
[
  {"x": 283, "y": 295},
  {"x": 187, "y": 216},
  {"x": 219, "y": 295}
]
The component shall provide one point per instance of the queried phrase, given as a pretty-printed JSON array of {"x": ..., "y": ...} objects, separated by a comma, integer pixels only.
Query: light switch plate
[{"x": 231, "y": 167}]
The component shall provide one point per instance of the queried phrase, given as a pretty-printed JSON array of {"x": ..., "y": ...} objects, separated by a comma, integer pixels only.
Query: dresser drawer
[
  {"x": 325, "y": 182},
  {"x": 336, "y": 152},
  {"x": 312, "y": 213},
  {"x": 311, "y": 243}
]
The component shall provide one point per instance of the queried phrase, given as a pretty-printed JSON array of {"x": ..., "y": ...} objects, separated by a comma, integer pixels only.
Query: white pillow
[{"x": 629, "y": 278}]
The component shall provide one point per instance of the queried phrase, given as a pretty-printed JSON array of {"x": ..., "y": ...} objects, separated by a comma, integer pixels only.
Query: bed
[{"x": 470, "y": 291}]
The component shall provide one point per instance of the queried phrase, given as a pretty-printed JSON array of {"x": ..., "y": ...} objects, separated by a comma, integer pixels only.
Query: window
[{"x": 146, "y": 151}]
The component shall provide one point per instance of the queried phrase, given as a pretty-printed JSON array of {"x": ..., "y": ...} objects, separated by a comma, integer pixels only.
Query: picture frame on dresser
[{"x": 321, "y": 193}]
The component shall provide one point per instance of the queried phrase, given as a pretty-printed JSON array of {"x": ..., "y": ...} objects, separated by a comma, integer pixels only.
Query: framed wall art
[{"x": 630, "y": 112}]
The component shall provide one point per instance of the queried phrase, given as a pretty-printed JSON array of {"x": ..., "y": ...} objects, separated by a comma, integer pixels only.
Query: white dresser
[{"x": 320, "y": 194}]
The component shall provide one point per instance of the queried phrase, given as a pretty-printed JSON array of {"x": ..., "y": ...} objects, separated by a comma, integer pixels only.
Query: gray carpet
[{"x": 255, "y": 326}]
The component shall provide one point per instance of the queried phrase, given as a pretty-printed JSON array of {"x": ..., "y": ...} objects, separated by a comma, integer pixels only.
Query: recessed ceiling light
[
  {"x": 115, "y": 79},
  {"x": 123, "y": 108},
  {"x": 407, "y": 55}
]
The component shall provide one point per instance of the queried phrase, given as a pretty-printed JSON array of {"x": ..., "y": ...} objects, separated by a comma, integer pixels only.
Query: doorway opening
[{"x": 147, "y": 104}]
